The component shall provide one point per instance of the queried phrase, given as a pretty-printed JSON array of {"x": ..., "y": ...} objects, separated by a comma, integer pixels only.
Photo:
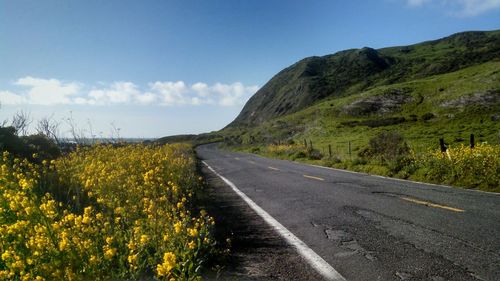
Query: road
[{"x": 368, "y": 227}]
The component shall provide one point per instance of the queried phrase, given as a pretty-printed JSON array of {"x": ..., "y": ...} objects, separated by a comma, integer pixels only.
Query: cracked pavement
[{"x": 366, "y": 227}]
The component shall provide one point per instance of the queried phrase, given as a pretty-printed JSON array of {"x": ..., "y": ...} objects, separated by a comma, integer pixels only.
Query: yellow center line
[
  {"x": 429, "y": 204},
  {"x": 272, "y": 168},
  {"x": 315, "y": 178}
]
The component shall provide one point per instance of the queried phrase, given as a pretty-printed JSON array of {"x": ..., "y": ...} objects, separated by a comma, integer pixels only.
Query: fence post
[
  {"x": 311, "y": 144},
  {"x": 349, "y": 144},
  {"x": 305, "y": 143},
  {"x": 471, "y": 140},
  {"x": 442, "y": 145},
  {"x": 330, "y": 150}
]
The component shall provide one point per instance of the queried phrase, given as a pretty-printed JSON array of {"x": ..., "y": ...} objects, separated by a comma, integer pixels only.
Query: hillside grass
[
  {"x": 450, "y": 106},
  {"x": 353, "y": 71}
]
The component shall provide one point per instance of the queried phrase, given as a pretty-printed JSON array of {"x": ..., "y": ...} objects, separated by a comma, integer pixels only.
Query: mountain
[{"x": 351, "y": 72}]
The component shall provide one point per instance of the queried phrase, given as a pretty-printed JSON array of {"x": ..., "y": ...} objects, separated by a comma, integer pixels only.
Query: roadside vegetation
[
  {"x": 105, "y": 212},
  {"x": 395, "y": 130},
  {"x": 388, "y": 154}
]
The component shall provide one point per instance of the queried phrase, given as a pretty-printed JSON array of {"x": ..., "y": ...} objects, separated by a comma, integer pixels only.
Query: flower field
[
  {"x": 103, "y": 213},
  {"x": 475, "y": 168}
]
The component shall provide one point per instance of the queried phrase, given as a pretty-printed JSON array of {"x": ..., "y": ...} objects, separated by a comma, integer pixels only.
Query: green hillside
[
  {"x": 355, "y": 71},
  {"x": 384, "y": 112},
  {"x": 403, "y": 122},
  {"x": 451, "y": 105}
]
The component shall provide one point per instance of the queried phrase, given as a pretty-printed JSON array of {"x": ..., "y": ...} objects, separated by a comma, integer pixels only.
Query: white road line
[{"x": 317, "y": 262}]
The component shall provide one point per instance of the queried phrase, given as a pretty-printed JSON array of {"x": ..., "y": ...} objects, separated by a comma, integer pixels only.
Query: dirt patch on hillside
[
  {"x": 387, "y": 102},
  {"x": 489, "y": 97}
]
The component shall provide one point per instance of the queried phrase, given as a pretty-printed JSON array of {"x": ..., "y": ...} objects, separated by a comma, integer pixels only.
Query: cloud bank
[
  {"x": 467, "y": 8},
  {"x": 38, "y": 91}
]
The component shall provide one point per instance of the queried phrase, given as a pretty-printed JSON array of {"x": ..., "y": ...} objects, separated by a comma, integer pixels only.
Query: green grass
[
  {"x": 324, "y": 123},
  {"x": 354, "y": 71}
]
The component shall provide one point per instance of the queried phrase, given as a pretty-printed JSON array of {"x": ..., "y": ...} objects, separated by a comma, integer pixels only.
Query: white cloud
[
  {"x": 467, "y": 8},
  {"x": 119, "y": 92},
  {"x": 225, "y": 94},
  {"x": 48, "y": 91},
  {"x": 40, "y": 91},
  {"x": 178, "y": 93},
  {"x": 233, "y": 94},
  {"x": 201, "y": 89},
  {"x": 172, "y": 93},
  {"x": 146, "y": 98},
  {"x": 10, "y": 98}
]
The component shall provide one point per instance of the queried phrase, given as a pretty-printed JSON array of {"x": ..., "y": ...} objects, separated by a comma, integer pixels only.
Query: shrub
[
  {"x": 331, "y": 161},
  {"x": 10, "y": 142},
  {"x": 386, "y": 147},
  {"x": 314, "y": 154},
  {"x": 44, "y": 147},
  {"x": 299, "y": 154},
  {"x": 27, "y": 146},
  {"x": 359, "y": 161}
]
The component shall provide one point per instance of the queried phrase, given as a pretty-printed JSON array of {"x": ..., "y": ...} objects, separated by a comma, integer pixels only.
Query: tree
[
  {"x": 21, "y": 122},
  {"x": 49, "y": 127}
]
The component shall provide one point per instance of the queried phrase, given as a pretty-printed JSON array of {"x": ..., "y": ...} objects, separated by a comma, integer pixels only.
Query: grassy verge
[
  {"x": 104, "y": 213},
  {"x": 460, "y": 166}
]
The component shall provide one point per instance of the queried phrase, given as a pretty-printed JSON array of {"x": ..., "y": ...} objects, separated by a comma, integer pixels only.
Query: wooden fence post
[
  {"x": 311, "y": 144},
  {"x": 442, "y": 145},
  {"x": 305, "y": 143},
  {"x": 349, "y": 144},
  {"x": 471, "y": 140},
  {"x": 330, "y": 150}
]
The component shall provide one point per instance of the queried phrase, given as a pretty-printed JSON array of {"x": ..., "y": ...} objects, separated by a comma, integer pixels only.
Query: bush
[
  {"x": 386, "y": 147},
  {"x": 331, "y": 161},
  {"x": 25, "y": 147},
  {"x": 359, "y": 161},
  {"x": 299, "y": 154},
  {"x": 10, "y": 142},
  {"x": 314, "y": 154},
  {"x": 403, "y": 166},
  {"x": 43, "y": 146},
  {"x": 255, "y": 149}
]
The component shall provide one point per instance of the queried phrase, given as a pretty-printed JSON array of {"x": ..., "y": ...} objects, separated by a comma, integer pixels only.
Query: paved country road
[{"x": 368, "y": 227}]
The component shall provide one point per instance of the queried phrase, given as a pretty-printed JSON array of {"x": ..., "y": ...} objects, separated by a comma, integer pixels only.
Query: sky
[{"x": 158, "y": 67}]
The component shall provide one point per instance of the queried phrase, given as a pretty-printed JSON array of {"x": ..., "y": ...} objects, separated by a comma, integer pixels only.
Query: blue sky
[{"x": 155, "y": 68}]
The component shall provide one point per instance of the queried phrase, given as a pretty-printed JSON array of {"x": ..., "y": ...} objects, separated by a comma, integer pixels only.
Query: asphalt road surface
[{"x": 368, "y": 227}]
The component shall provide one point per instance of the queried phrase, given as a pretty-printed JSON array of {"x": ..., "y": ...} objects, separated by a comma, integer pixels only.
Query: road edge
[
  {"x": 377, "y": 176},
  {"x": 313, "y": 259}
]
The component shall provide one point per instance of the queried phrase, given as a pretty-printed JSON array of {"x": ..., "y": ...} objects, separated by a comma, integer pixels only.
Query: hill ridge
[{"x": 351, "y": 71}]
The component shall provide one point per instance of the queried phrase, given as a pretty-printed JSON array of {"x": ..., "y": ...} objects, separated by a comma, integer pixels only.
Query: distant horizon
[{"x": 167, "y": 68}]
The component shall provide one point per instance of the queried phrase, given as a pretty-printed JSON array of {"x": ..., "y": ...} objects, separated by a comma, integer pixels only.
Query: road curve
[{"x": 368, "y": 227}]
